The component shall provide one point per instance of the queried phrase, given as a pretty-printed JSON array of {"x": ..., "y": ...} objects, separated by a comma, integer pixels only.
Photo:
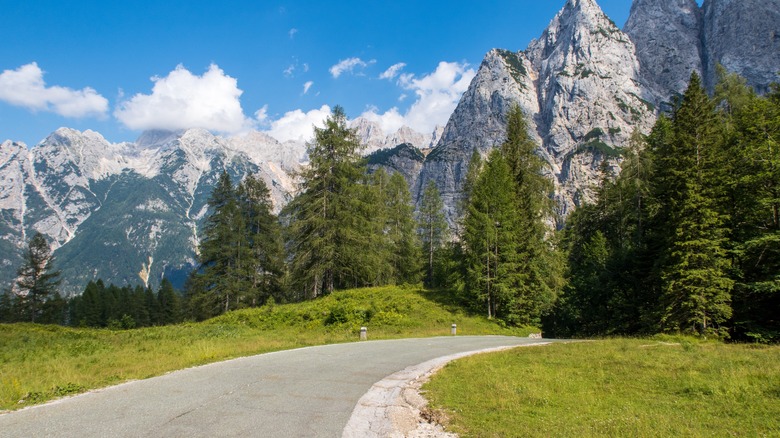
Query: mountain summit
[{"x": 580, "y": 89}]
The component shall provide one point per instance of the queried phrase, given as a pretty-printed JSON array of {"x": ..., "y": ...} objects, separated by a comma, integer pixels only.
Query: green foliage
[
  {"x": 241, "y": 252},
  {"x": 400, "y": 231},
  {"x": 490, "y": 229},
  {"x": 694, "y": 270},
  {"x": 686, "y": 237},
  {"x": 37, "y": 282},
  {"x": 125, "y": 308},
  {"x": 511, "y": 267},
  {"x": 516, "y": 67},
  {"x": 432, "y": 230},
  {"x": 330, "y": 221}
]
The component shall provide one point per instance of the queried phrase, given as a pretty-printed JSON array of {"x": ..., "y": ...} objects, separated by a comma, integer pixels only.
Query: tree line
[{"x": 686, "y": 238}]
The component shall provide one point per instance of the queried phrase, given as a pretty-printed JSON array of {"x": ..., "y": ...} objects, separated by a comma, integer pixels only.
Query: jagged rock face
[
  {"x": 479, "y": 121},
  {"x": 667, "y": 36},
  {"x": 405, "y": 159},
  {"x": 744, "y": 37},
  {"x": 579, "y": 88}
]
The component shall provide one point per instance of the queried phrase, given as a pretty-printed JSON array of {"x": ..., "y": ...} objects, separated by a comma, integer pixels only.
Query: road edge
[{"x": 391, "y": 408}]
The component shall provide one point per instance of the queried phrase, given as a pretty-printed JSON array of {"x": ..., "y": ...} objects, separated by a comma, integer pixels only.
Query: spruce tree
[
  {"x": 489, "y": 236},
  {"x": 37, "y": 281},
  {"x": 264, "y": 237},
  {"x": 432, "y": 229},
  {"x": 695, "y": 283},
  {"x": 324, "y": 218},
  {"x": 170, "y": 304},
  {"x": 400, "y": 230},
  {"x": 224, "y": 272},
  {"x": 751, "y": 158},
  {"x": 539, "y": 268}
]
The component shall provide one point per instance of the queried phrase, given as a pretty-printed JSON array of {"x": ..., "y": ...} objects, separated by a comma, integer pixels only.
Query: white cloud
[
  {"x": 393, "y": 71},
  {"x": 307, "y": 86},
  {"x": 183, "y": 100},
  {"x": 262, "y": 115},
  {"x": 348, "y": 66},
  {"x": 295, "y": 125},
  {"x": 292, "y": 33},
  {"x": 437, "y": 96},
  {"x": 26, "y": 88}
]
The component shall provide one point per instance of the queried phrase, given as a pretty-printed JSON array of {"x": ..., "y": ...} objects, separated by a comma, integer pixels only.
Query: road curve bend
[{"x": 308, "y": 392}]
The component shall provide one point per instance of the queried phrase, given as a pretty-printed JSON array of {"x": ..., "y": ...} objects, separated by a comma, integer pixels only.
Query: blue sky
[{"x": 122, "y": 67}]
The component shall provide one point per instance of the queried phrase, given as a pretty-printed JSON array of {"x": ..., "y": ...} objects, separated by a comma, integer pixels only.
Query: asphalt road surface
[{"x": 309, "y": 392}]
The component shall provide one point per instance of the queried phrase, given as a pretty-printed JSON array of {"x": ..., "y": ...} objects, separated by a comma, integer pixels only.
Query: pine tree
[
  {"x": 432, "y": 229},
  {"x": 37, "y": 280},
  {"x": 695, "y": 285},
  {"x": 323, "y": 228}
]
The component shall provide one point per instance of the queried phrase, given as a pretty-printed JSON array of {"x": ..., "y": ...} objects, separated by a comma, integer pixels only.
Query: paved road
[{"x": 309, "y": 392}]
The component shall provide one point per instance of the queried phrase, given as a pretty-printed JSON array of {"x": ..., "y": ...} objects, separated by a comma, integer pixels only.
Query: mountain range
[{"x": 129, "y": 213}]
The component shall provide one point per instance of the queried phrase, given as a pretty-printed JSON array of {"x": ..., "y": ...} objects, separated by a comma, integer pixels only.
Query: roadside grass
[
  {"x": 40, "y": 363},
  {"x": 663, "y": 386}
]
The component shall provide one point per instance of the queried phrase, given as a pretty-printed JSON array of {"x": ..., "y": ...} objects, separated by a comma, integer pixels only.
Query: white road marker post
[
  {"x": 363, "y": 334},
  {"x": 454, "y": 330}
]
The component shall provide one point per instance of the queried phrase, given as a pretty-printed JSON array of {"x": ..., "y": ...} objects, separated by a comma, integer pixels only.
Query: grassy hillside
[
  {"x": 38, "y": 363},
  {"x": 621, "y": 387}
]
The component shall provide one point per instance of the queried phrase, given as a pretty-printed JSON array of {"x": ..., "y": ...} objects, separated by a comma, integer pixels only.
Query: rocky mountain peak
[
  {"x": 744, "y": 37},
  {"x": 667, "y": 36},
  {"x": 156, "y": 138}
]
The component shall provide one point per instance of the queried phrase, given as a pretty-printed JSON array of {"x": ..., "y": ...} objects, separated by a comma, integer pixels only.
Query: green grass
[
  {"x": 39, "y": 363},
  {"x": 624, "y": 387}
]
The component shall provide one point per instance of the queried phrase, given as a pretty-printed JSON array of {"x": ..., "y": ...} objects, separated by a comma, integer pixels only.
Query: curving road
[{"x": 309, "y": 392}]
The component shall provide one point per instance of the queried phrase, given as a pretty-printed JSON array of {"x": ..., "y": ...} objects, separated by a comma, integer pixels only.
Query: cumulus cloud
[
  {"x": 295, "y": 125},
  {"x": 307, "y": 86},
  {"x": 348, "y": 66},
  {"x": 183, "y": 100},
  {"x": 393, "y": 71},
  {"x": 26, "y": 88},
  {"x": 437, "y": 95}
]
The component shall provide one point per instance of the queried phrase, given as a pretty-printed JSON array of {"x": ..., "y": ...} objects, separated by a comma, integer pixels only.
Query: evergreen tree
[
  {"x": 539, "y": 267},
  {"x": 264, "y": 237},
  {"x": 170, "y": 304},
  {"x": 490, "y": 230},
  {"x": 224, "y": 274},
  {"x": 7, "y": 313},
  {"x": 324, "y": 219},
  {"x": 695, "y": 284},
  {"x": 37, "y": 280},
  {"x": 751, "y": 159},
  {"x": 405, "y": 247},
  {"x": 432, "y": 229}
]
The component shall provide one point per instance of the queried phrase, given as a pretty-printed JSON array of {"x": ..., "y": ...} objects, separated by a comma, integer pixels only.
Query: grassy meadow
[
  {"x": 39, "y": 363},
  {"x": 658, "y": 387}
]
